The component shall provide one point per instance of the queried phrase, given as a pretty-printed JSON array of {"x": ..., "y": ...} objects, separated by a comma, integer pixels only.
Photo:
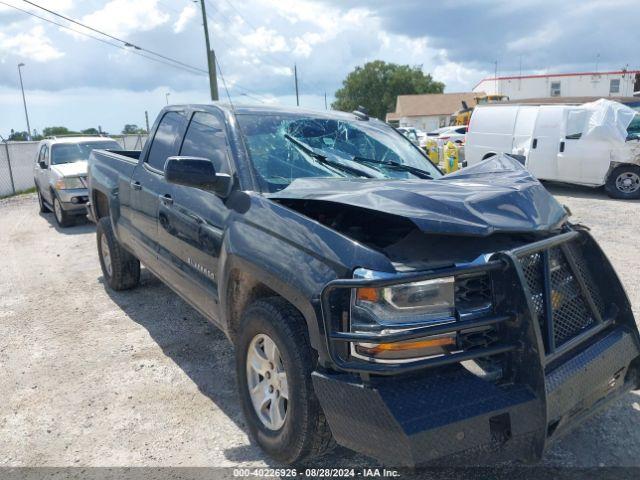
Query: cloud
[
  {"x": 186, "y": 15},
  {"x": 31, "y": 45},
  {"x": 257, "y": 43},
  {"x": 124, "y": 17}
]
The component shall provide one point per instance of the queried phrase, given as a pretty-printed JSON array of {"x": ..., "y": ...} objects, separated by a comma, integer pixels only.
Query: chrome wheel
[
  {"x": 267, "y": 382},
  {"x": 57, "y": 208},
  {"x": 106, "y": 254},
  {"x": 628, "y": 182}
]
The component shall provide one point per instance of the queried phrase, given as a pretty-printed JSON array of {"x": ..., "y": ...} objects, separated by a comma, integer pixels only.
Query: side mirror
[
  {"x": 43, "y": 165},
  {"x": 198, "y": 173}
]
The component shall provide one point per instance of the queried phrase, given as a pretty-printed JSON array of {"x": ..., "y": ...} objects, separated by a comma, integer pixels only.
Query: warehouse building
[
  {"x": 623, "y": 83},
  {"x": 429, "y": 111}
]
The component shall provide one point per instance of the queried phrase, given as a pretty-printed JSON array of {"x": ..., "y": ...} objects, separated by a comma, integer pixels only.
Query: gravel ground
[{"x": 91, "y": 377}]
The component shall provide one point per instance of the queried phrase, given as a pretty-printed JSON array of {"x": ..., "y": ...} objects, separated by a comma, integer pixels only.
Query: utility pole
[
  {"x": 295, "y": 76},
  {"x": 24, "y": 101},
  {"x": 166, "y": 96},
  {"x": 495, "y": 77},
  {"x": 211, "y": 59},
  {"x": 325, "y": 101},
  {"x": 146, "y": 120}
]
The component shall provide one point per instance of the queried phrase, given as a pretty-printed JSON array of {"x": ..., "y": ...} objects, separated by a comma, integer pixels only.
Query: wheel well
[
  {"x": 243, "y": 289},
  {"x": 101, "y": 205},
  {"x": 488, "y": 155}
]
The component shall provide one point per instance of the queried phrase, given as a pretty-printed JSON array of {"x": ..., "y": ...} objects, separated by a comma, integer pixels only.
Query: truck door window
[
  {"x": 164, "y": 142},
  {"x": 41, "y": 160},
  {"x": 206, "y": 138},
  {"x": 576, "y": 120}
]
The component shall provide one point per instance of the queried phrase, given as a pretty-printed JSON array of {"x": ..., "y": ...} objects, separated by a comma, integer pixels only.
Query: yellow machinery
[
  {"x": 463, "y": 116},
  {"x": 451, "y": 157}
]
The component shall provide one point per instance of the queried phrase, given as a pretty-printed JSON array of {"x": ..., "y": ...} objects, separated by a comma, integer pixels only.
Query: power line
[
  {"x": 173, "y": 65},
  {"x": 126, "y": 47},
  {"x": 126, "y": 43}
]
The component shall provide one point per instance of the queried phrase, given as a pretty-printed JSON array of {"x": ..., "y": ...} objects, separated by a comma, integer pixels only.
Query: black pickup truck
[{"x": 371, "y": 300}]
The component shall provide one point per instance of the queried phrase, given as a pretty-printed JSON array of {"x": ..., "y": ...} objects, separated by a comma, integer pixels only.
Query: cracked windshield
[{"x": 286, "y": 147}]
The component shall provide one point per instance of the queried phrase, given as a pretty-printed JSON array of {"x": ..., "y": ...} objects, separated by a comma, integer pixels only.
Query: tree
[
  {"x": 377, "y": 84},
  {"x": 90, "y": 131},
  {"x": 17, "y": 136},
  {"x": 132, "y": 129},
  {"x": 53, "y": 131}
]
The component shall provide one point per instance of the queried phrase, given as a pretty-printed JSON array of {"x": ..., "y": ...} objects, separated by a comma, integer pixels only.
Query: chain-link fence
[
  {"x": 16, "y": 166},
  {"x": 18, "y": 158}
]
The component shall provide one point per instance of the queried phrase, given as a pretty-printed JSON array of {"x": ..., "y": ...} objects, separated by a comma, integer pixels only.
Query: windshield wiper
[
  {"x": 397, "y": 166},
  {"x": 303, "y": 147}
]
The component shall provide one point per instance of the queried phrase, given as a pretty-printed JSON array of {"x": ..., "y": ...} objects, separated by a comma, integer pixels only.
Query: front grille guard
[
  {"x": 602, "y": 320},
  {"x": 337, "y": 338}
]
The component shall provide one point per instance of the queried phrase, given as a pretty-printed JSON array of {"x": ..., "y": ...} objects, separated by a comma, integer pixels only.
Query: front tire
[
  {"x": 62, "y": 218},
  {"x": 274, "y": 359},
  {"x": 120, "y": 269},
  {"x": 624, "y": 182}
]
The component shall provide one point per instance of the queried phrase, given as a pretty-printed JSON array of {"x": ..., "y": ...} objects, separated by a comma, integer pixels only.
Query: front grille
[
  {"x": 561, "y": 307},
  {"x": 473, "y": 293}
]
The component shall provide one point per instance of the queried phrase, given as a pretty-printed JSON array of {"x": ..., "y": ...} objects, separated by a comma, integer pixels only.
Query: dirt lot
[{"x": 90, "y": 377}]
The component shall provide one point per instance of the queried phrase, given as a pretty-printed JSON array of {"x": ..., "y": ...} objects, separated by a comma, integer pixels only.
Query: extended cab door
[
  {"x": 545, "y": 144},
  {"x": 192, "y": 220},
  {"x": 147, "y": 184}
]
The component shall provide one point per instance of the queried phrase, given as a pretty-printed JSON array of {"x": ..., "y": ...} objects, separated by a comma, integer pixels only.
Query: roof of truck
[{"x": 270, "y": 110}]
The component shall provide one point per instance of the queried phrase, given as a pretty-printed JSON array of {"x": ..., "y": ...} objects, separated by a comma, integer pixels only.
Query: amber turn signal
[{"x": 368, "y": 294}]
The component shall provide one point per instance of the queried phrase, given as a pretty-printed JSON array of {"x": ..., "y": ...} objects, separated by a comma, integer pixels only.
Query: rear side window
[
  {"x": 165, "y": 142},
  {"x": 206, "y": 138}
]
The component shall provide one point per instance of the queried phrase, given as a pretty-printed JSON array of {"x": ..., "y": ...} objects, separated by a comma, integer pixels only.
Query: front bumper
[
  {"x": 551, "y": 380},
  {"x": 73, "y": 201},
  {"x": 437, "y": 415}
]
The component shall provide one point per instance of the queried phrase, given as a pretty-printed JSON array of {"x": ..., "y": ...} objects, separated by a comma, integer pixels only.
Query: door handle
[
  {"x": 136, "y": 185},
  {"x": 561, "y": 147},
  {"x": 166, "y": 199},
  {"x": 535, "y": 143}
]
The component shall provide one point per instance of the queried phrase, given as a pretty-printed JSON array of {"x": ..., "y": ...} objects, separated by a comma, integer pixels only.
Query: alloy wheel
[
  {"x": 106, "y": 254},
  {"x": 57, "y": 208},
  {"x": 267, "y": 382}
]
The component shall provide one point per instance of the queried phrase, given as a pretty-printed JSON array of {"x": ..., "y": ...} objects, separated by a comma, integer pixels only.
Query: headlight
[
  {"x": 402, "y": 306},
  {"x": 407, "y": 302},
  {"x": 69, "y": 183}
]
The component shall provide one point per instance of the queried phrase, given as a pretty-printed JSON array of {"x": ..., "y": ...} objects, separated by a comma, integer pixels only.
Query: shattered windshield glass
[{"x": 284, "y": 147}]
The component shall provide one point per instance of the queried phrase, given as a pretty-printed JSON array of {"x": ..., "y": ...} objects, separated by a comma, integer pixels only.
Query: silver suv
[{"x": 60, "y": 174}]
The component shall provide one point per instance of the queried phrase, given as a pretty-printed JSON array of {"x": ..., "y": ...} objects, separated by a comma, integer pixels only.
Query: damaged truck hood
[{"x": 497, "y": 195}]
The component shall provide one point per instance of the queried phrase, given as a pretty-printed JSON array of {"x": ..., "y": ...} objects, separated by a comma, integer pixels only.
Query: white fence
[{"x": 17, "y": 159}]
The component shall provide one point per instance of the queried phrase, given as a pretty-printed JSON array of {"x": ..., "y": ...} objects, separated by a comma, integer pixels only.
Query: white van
[{"x": 592, "y": 144}]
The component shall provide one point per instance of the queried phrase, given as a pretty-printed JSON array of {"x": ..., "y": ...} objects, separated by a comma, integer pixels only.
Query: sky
[{"x": 79, "y": 82}]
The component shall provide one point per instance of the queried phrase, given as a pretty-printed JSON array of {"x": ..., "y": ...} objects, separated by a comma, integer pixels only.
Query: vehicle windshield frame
[{"x": 381, "y": 135}]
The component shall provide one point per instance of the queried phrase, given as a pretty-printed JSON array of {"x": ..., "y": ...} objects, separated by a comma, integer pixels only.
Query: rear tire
[
  {"x": 624, "y": 182},
  {"x": 62, "y": 218},
  {"x": 304, "y": 433},
  {"x": 120, "y": 269},
  {"x": 41, "y": 204}
]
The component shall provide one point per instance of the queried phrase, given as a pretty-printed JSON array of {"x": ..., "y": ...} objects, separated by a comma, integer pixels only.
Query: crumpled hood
[
  {"x": 75, "y": 169},
  {"x": 497, "y": 195}
]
